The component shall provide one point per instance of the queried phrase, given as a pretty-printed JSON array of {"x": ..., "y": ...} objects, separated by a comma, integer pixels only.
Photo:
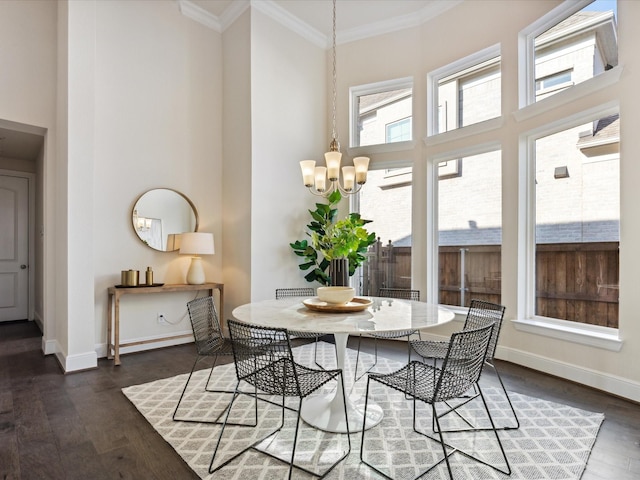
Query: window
[
  {"x": 399, "y": 131},
  {"x": 572, "y": 44},
  {"x": 466, "y": 92},
  {"x": 386, "y": 199},
  {"x": 470, "y": 230},
  {"x": 556, "y": 80},
  {"x": 576, "y": 179},
  {"x": 381, "y": 113}
]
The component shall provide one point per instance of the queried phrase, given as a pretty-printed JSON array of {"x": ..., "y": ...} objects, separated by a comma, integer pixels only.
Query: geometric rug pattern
[{"x": 554, "y": 441}]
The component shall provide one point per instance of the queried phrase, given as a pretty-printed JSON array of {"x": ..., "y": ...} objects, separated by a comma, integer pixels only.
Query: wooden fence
[{"x": 574, "y": 281}]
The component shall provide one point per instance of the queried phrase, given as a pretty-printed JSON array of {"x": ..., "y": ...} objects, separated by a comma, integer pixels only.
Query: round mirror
[{"x": 160, "y": 215}]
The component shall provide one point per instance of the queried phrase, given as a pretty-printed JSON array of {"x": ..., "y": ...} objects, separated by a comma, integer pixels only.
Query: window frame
[
  {"x": 400, "y": 123},
  {"x": 526, "y": 48},
  {"x": 379, "y": 87},
  {"x": 555, "y": 86},
  {"x": 526, "y": 320},
  {"x": 433, "y": 79},
  {"x": 433, "y": 247}
]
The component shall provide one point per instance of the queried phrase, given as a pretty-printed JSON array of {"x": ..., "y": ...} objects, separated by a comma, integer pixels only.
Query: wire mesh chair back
[
  {"x": 463, "y": 363},
  {"x": 301, "y": 292},
  {"x": 402, "y": 293},
  {"x": 481, "y": 311},
  {"x": 294, "y": 292},
  {"x": 205, "y": 324},
  {"x": 264, "y": 359}
]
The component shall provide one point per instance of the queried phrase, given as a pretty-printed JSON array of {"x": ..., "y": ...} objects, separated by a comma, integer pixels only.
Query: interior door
[{"x": 14, "y": 248}]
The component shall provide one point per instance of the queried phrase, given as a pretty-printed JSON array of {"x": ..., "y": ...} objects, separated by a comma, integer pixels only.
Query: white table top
[{"x": 384, "y": 315}]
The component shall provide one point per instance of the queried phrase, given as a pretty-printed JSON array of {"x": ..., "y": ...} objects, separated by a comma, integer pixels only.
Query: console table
[{"x": 113, "y": 312}]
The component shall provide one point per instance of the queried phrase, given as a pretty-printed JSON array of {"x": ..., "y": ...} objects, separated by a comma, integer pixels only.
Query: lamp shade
[{"x": 197, "y": 243}]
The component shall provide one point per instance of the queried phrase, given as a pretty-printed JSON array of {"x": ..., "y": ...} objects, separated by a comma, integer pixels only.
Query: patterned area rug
[{"x": 553, "y": 442}]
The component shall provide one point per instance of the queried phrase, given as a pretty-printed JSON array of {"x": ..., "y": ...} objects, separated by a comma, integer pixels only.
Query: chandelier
[{"x": 353, "y": 177}]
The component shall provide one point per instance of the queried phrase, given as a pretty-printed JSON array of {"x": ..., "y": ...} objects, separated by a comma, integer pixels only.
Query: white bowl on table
[{"x": 336, "y": 295}]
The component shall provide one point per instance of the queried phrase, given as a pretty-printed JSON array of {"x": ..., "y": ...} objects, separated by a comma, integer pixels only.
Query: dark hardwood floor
[{"x": 80, "y": 425}]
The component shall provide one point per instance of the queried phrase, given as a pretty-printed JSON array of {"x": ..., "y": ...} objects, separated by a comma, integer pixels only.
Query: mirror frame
[{"x": 194, "y": 210}]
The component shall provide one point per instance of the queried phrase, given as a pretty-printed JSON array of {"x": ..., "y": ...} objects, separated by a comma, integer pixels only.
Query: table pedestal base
[{"x": 326, "y": 412}]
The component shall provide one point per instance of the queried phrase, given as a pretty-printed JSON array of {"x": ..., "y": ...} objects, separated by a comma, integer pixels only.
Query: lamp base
[{"x": 195, "y": 275}]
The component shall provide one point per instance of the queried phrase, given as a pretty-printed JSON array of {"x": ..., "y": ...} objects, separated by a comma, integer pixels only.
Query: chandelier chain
[
  {"x": 335, "y": 76},
  {"x": 316, "y": 177}
]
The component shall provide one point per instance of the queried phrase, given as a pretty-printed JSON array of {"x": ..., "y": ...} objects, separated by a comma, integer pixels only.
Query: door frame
[{"x": 31, "y": 222}]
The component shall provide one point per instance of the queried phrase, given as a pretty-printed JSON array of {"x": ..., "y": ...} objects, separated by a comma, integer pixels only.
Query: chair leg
[
  {"x": 315, "y": 354},
  {"x": 185, "y": 387},
  {"x": 291, "y": 462},
  {"x": 225, "y": 423},
  {"x": 295, "y": 440},
  {"x": 385, "y": 475},
  {"x": 440, "y": 432},
  {"x": 495, "y": 432},
  {"x": 217, "y": 419},
  {"x": 444, "y": 445},
  {"x": 506, "y": 394},
  {"x": 476, "y": 393},
  {"x": 375, "y": 361},
  {"x": 364, "y": 430}
]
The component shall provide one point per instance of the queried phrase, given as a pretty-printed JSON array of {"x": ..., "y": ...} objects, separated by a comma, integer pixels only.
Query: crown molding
[
  {"x": 232, "y": 13},
  {"x": 282, "y": 16},
  {"x": 394, "y": 24},
  {"x": 200, "y": 15},
  {"x": 293, "y": 23}
]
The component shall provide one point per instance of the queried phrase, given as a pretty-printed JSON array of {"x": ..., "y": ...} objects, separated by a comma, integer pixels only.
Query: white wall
[
  {"x": 237, "y": 173},
  {"x": 158, "y": 103},
  {"x": 76, "y": 288},
  {"x": 289, "y": 115},
  {"x": 28, "y": 35}
]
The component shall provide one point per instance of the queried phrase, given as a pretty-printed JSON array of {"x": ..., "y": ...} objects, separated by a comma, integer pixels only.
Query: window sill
[
  {"x": 381, "y": 148},
  {"x": 463, "y": 132},
  {"x": 589, "y": 87},
  {"x": 594, "y": 336}
]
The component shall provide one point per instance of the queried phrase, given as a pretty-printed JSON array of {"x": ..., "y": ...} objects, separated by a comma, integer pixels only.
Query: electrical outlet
[{"x": 162, "y": 320}]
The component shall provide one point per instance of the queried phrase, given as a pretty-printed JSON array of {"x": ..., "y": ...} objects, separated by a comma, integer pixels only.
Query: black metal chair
[
  {"x": 302, "y": 292},
  {"x": 209, "y": 343},
  {"x": 263, "y": 358},
  {"x": 460, "y": 372},
  {"x": 479, "y": 312},
  {"x": 402, "y": 293}
]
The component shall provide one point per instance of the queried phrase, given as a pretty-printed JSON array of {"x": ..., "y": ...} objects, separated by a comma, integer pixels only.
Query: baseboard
[
  {"x": 101, "y": 349},
  {"x": 613, "y": 384},
  {"x": 83, "y": 361},
  {"x": 72, "y": 363},
  {"x": 49, "y": 347}
]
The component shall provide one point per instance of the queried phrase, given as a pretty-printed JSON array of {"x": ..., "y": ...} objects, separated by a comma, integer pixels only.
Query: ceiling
[{"x": 351, "y": 16}]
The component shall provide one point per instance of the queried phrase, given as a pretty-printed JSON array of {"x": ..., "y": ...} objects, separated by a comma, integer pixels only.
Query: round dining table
[{"x": 326, "y": 411}]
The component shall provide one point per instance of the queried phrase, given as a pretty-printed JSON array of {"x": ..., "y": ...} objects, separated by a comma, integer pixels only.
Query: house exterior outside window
[{"x": 381, "y": 113}]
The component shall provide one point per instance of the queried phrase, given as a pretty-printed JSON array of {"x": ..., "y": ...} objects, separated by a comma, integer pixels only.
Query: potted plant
[{"x": 337, "y": 248}]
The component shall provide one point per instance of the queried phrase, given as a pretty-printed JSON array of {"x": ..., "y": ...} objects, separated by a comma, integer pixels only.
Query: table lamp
[{"x": 196, "y": 244}]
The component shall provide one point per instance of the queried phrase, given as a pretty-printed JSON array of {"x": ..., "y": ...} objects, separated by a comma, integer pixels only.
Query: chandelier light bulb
[{"x": 308, "y": 168}]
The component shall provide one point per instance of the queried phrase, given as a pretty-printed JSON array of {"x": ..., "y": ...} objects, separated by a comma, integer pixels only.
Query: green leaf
[
  {"x": 335, "y": 197},
  {"x": 331, "y": 238}
]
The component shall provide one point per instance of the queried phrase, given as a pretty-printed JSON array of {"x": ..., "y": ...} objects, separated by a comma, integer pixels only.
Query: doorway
[
  {"x": 21, "y": 163},
  {"x": 14, "y": 247}
]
